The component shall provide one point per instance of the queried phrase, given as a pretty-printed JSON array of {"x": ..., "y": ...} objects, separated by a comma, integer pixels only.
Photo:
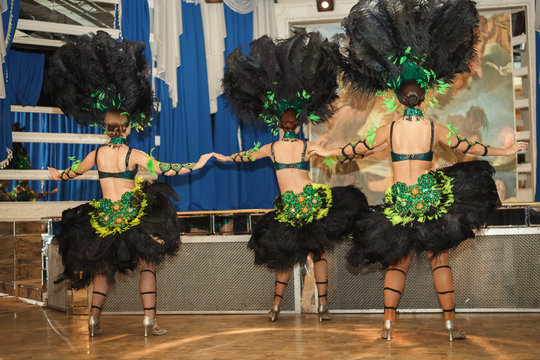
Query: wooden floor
[{"x": 31, "y": 332}]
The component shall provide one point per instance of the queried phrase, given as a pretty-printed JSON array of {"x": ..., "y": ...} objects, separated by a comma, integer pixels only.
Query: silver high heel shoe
[
  {"x": 387, "y": 330},
  {"x": 273, "y": 313},
  {"x": 453, "y": 331},
  {"x": 150, "y": 324},
  {"x": 324, "y": 313},
  {"x": 93, "y": 325}
]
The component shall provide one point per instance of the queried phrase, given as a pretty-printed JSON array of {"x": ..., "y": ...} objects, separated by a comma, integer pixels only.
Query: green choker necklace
[
  {"x": 116, "y": 142},
  {"x": 290, "y": 136},
  {"x": 410, "y": 112}
]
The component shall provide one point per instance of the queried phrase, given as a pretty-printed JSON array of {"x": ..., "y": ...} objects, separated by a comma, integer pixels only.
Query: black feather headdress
[
  {"x": 391, "y": 41},
  {"x": 95, "y": 73},
  {"x": 299, "y": 73}
]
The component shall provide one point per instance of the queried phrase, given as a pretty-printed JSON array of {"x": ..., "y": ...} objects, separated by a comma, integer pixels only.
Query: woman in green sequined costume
[
  {"x": 425, "y": 209},
  {"x": 308, "y": 219},
  {"x": 134, "y": 225},
  {"x": 98, "y": 80},
  {"x": 287, "y": 83}
]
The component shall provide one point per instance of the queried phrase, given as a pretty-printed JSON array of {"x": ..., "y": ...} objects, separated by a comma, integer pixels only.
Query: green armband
[
  {"x": 470, "y": 144},
  {"x": 246, "y": 155},
  {"x": 164, "y": 167},
  {"x": 346, "y": 158}
]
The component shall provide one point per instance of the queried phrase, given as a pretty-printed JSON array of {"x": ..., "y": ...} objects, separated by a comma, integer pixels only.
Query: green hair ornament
[
  {"x": 412, "y": 69},
  {"x": 103, "y": 100},
  {"x": 275, "y": 108}
]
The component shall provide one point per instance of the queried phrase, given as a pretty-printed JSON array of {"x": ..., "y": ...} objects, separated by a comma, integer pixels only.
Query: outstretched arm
[
  {"x": 253, "y": 154},
  {"x": 168, "y": 169},
  {"x": 76, "y": 169},
  {"x": 373, "y": 142},
  {"x": 449, "y": 136}
]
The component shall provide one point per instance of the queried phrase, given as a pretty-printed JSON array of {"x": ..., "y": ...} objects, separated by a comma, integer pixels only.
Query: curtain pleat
[
  {"x": 136, "y": 27},
  {"x": 186, "y": 131}
]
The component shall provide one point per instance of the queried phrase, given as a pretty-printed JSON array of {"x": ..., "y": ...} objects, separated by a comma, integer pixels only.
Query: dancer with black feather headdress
[
  {"x": 288, "y": 83},
  {"x": 99, "y": 80},
  {"x": 410, "y": 47}
]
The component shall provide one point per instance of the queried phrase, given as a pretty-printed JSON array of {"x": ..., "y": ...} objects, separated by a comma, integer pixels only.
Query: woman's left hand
[{"x": 516, "y": 147}]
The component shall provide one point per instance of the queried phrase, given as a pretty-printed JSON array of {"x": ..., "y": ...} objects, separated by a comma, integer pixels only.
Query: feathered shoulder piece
[
  {"x": 95, "y": 73},
  {"x": 299, "y": 73},
  {"x": 391, "y": 41}
]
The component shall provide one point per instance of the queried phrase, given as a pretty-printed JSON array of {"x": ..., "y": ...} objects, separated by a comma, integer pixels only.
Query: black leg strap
[
  {"x": 324, "y": 295},
  {"x": 394, "y": 290},
  {"x": 149, "y": 292},
  {"x": 390, "y": 307},
  {"x": 322, "y": 282},
  {"x": 150, "y": 271},
  {"x": 450, "y": 310},
  {"x": 99, "y": 293},
  {"x": 445, "y": 292},
  {"x": 281, "y": 282},
  {"x": 152, "y": 308},
  {"x": 320, "y": 259},
  {"x": 395, "y": 269},
  {"x": 441, "y": 267},
  {"x": 279, "y": 296},
  {"x": 95, "y": 307}
]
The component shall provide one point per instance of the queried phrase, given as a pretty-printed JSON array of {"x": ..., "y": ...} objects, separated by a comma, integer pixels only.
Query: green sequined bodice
[
  {"x": 313, "y": 203},
  {"x": 109, "y": 217},
  {"x": 428, "y": 199}
]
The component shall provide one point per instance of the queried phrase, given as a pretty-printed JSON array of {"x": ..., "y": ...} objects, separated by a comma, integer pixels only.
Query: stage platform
[
  {"x": 214, "y": 272},
  {"x": 31, "y": 332}
]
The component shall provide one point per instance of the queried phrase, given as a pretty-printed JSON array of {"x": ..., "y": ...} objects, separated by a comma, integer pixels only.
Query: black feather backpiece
[
  {"x": 299, "y": 72},
  {"x": 95, "y": 73},
  {"x": 391, "y": 41}
]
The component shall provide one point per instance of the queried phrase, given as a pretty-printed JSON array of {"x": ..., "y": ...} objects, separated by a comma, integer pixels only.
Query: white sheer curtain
[
  {"x": 167, "y": 21},
  {"x": 241, "y": 6},
  {"x": 264, "y": 16},
  {"x": 215, "y": 31},
  {"x": 264, "y": 19},
  {"x": 3, "y": 45}
]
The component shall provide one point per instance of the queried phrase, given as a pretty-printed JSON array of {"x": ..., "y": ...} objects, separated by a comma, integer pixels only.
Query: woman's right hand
[
  {"x": 55, "y": 174},
  {"x": 516, "y": 147},
  {"x": 222, "y": 158}
]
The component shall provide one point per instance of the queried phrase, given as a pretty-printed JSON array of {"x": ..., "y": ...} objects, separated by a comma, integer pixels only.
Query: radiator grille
[{"x": 204, "y": 277}]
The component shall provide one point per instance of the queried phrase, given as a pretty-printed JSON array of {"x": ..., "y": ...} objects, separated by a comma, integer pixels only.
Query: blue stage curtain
[
  {"x": 239, "y": 33},
  {"x": 186, "y": 131},
  {"x": 5, "y": 104},
  {"x": 42, "y": 155},
  {"x": 136, "y": 27},
  {"x": 259, "y": 185},
  {"x": 23, "y": 88},
  {"x": 250, "y": 185},
  {"x": 25, "y": 82}
]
